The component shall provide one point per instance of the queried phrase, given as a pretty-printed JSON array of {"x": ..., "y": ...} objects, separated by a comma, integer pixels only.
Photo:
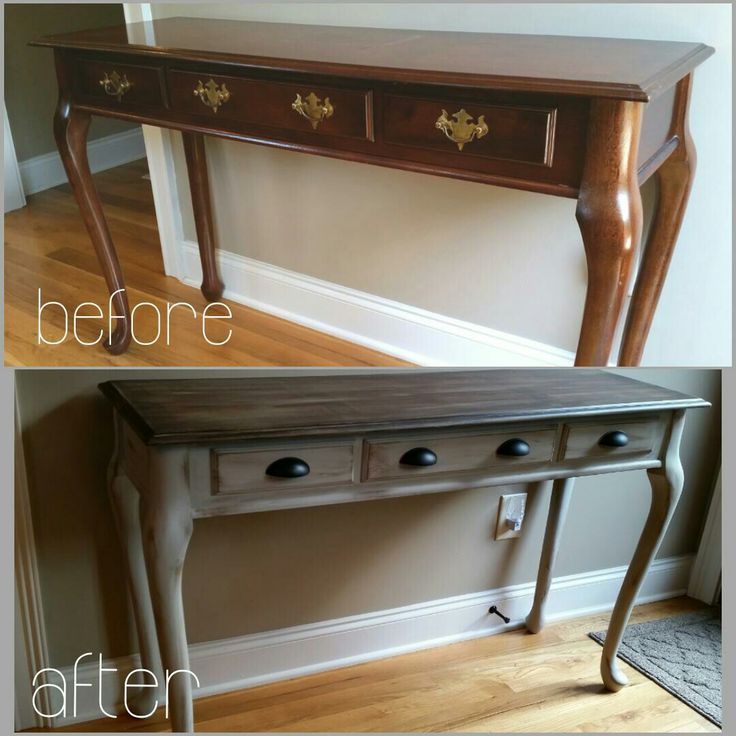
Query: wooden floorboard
[
  {"x": 47, "y": 247},
  {"x": 511, "y": 682}
]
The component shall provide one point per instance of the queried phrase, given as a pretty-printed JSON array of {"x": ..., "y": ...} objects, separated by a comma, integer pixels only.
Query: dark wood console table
[
  {"x": 587, "y": 118},
  {"x": 207, "y": 447}
]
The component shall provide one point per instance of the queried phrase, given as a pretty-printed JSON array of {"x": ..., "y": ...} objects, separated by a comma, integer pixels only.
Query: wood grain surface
[
  {"x": 203, "y": 410},
  {"x": 511, "y": 682},
  {"x": 607, "y": 67}
]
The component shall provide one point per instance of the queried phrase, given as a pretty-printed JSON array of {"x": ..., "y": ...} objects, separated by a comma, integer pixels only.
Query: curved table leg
[
  {"x": 125, "y": 504},
  {"x": 166, "y": 522},
  {"x": 70, "y": 131},
  {"x": 675, "y": 178},
  {"x": 609, "y": 214},
  {"x": 666, "y": 485},
  {"x": 212, "y": 286},
  {"x": 558, "y": 504}
]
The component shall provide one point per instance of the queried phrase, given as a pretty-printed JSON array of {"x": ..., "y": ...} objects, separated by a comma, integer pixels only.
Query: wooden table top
[
  {"x": 190, "y": 411},
  {"x": 604, "y": 67}
]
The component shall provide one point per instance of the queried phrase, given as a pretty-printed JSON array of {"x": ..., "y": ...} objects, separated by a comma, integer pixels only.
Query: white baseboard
[
  {"x": 46, "y": 171},
  {"x": 245, "y": 661},
  {"x": 410, "y": 333}
]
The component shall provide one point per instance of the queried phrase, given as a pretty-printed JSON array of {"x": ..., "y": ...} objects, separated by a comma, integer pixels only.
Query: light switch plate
[{"x": 510, "y": 504}]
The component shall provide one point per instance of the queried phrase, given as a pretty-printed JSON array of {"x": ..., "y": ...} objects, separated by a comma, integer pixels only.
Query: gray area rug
[{"x": 682, "y": 654}]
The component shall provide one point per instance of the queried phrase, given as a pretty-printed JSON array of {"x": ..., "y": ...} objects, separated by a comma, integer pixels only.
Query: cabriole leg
[
  {"x": 212, "y": 286},
  {"x": 609, "y": 214},
  {"x": 125, "y": 503},
  {"x": 674, "y": 179},
  {"x": 166, "y": 520},
  {"x": 666, "y": 485}
]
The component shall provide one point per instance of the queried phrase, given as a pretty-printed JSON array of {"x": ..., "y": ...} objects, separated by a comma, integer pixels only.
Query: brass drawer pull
[
  {"x": 115, "y": 85},
  {"x": 313, "y": 109},
  {"x": 462, "y": 129},
  {"x": 212, "y": 94}
]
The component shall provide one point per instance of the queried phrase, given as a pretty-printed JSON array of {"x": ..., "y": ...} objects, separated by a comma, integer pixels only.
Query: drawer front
[
  {"x": 120, "y": 85},
  {"x": 468, "y": 453},
  {"x": 248, "y": 471},
  {"x": 512, "y": 133},
  {"x": 612, "y": 439},
  {"x": 327, "y": 110}
]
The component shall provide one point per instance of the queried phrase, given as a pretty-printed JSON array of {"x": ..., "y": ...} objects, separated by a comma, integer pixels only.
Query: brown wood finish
[
  {"x": 263, "y": 102},
  {"x": 509, "y": 682},
  {"x": 609, "y": 213},
  {"x": 521, "y": 162},
  {"x": 515, "y": 133},
  {"x": 675, "y": 179},
  {"x": 192, "y": 411},
  {"x": 146, "y": 90},
  {"x": 552, "y": 128},
  {"x": 604, "y": 67},
  {"x": 194, "y": 151},
  {"x": 70, "y": 130},
  {"x": 655, "y": 140}
]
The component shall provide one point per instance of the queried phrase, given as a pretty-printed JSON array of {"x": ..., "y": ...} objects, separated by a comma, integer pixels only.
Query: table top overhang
[
  {"x": 195, "y": 411},
  {"x": 626, "y": 69}
]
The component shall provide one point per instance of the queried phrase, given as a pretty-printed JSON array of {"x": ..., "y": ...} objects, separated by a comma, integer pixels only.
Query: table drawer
[
  {"x": 612, "y": 438},
  {"x": 465, "y": 453},
  {"x": 124, "y": 85},
  {"x": 325, "y": 110},
  {"x": 281, "y": 468},
  {"x": 508, "y": 132}
]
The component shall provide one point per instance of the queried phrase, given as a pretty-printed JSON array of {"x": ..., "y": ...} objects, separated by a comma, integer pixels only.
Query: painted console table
[
  {"x": 587, "y": 118},
  {"x": 196, "y": 448}
]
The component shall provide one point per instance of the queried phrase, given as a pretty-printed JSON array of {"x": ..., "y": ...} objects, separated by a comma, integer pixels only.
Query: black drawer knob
[
  {"x": 514, "y": 448},
  {"x": 288, "y": 467},
  {"x": 616, "y": 438},
  {"x": 420, "y": 457}
]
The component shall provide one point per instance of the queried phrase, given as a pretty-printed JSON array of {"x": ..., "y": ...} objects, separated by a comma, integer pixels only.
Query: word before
[{"x": 92, "y": 310}]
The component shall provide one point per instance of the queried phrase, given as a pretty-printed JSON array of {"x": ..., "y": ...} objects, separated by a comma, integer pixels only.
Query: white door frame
[
  {"x": 705, "y": 577},
  {"x": 31, "y": 652},
  {"x": 14, "y": 197},
  {"x": 158, "y": 142}
]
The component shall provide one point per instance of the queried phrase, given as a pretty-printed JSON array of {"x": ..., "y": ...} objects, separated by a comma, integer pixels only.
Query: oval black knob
[
  {"x": 514, "y": 448},
  {"x": 420, "y": 457},
  {"x": 616, "y": 438},
  {"x": 288, "y": 467}
]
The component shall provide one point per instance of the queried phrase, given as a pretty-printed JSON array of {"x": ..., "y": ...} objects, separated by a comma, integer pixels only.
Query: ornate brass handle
[
  {"x": 462, "y": 129},
  {"x": 115, "y": 85},
  {"x": 313, "y": 109},
  {"x": 212, "y": 94}
]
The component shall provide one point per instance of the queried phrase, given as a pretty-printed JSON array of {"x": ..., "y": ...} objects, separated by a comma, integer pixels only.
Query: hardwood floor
[
  {"x": 47, "y": 247},
  {"x": 509, "y": 682}
]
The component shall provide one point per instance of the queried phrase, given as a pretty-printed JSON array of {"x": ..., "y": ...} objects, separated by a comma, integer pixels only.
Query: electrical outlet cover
[{"x": 510, "y": 504}]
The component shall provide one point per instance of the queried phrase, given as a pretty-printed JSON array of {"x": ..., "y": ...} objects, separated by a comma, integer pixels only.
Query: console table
[
  {"x": 587, "y": 118},
  {"x": 194, "y": 448}
]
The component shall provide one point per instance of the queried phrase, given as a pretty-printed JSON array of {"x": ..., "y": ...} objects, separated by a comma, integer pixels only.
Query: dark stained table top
[
  {"x": 605, "y": 67},
  {"x": 177, "y": 411}
]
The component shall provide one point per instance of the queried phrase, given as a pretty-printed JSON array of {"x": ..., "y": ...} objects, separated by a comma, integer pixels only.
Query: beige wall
[
  {"x": 30, "y": 80},
  {"x": 508, "y": 260},
  {"x": 260, "y": 572}
]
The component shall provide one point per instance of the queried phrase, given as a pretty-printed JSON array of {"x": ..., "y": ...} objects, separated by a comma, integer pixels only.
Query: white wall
[{"x": 503, "y": 259}]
